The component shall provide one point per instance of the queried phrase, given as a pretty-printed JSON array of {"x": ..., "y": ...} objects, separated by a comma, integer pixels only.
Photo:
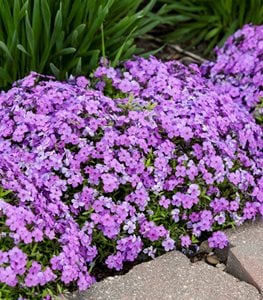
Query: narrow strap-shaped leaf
[
  {"x": 22, "y": 11},
  {"x": 46, "y": 16},
  {"x": 29, "y": 34},
  {"x": 13, "y": 50},
  {"x": 21, "y": 48},
  {"x": 6, "y": 14},
  {"x": 60, "y": 40},
  {"x": 36, "y": 26},
  {"x": 16, "y": 10},
  {"x": 146, "y": 28},
  {"x": 65, "y": 51},
  {"x": 131, "y": 51},
  {"x": 73, "y": 37},
  {"x": 95, "y": 27},
  {"x": 153, "y": 52},
  {"x": 4, "y": 47},
  {"x": 92, "y": 11},
  {"x": 45, "y": 57},
  {"x": 57, "y": 26},
  {"x": 13, "y": 43},
  {"x": 54, "y": 70},
  {"x": 77, "y": 13},
  {"x": 212, "y": 33},
  {"x": 118, "y": 55},
  {"x": 102, "y": 41},
  {"x": 93, "y": 60},
  {"x": 78, "y": 69}
]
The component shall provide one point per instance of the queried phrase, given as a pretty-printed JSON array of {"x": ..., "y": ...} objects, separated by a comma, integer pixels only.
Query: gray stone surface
[
  {"x": 245, "y": 256},
  {"x": 171, "y": 276}
]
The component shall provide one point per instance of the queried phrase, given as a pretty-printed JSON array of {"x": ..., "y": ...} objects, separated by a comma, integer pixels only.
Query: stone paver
[
  {"x": 245, "y": 255},
  {"x": 171, "y": 276}
]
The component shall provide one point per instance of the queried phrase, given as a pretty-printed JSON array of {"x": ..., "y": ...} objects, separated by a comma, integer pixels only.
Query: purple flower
[
  {"x": 150, "y": 251},
  {"x": 110, "y": 182},
  {"x": 185, "y": 241},
  {"x": 220, "y": 219},
  {"x": 218, "y": 240},
  {"x": 175, "y": 215},
  {"x": 168, "y": 244},
  {"x": 164, "y": 202},
  {"x": 115, "y": 261},
  {"x": 82, "y": 81}
]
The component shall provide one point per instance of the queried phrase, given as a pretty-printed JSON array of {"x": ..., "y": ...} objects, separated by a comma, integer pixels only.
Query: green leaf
[
  {"x": 22, "y": 12},
  {"x": 29, "y": 34},
  {"x": 74, "y": 36},
  {"x": 4, "y": 47},
  {"x": 93, "y": 29},
  {"x": 194, "y": 239},
  {"x": 46, "y": 16},
  {"x": 119, "y": 53},
  {"x": 65, "y": 51},
  {"x": 102, "y": 41},
  {"x": 21, "y": 48},
  {"x": 36, "y": 27},
  {"x": 93, "y": 62},
  {"x": 54, "y": 70},
  {"x": 5, "y": 13},
  {"x": 16, "y": 10},
  {"x": 212, "y": 33},
  {"x": 153, "y": 52},
  {"x": 57, "y": 27},
  {"x": 78, "y": 66}
]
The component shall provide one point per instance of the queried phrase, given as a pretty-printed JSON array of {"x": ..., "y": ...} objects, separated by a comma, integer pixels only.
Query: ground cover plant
[
  {"x": 65, "y": 37},
  {"x": 238, "y": 68},
  {"x": 141, "y": 159}
]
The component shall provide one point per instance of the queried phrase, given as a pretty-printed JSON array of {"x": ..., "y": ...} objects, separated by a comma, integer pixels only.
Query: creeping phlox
[
  {"x": 238, "y": 69},
  {"x": 140, "y": 161}
]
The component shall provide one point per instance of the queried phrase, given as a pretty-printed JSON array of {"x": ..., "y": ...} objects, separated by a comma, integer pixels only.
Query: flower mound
[
  {"x": 97, "y": 179},
  {"x": 238, "y": 69}
]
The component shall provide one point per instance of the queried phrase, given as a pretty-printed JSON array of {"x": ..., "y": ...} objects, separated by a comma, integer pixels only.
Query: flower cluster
[
  {"x": 109, "y": 178},
  {"x": 238, "y": 69}
]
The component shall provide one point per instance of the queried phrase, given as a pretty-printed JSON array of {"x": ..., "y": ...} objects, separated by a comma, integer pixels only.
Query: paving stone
[
  {"x": 244, "y": 257},
  {"x": 171, "y": 276}
]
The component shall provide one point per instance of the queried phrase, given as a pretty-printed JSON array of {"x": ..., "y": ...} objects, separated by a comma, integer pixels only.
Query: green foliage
[
  {"x": 258, "y": 112},
  {"x": 68, "y": 37},
  {"x": 210, "y": 21}
]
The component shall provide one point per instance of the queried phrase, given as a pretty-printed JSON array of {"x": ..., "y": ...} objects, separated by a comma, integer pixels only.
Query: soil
[{"x": 172, "y": 51}]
